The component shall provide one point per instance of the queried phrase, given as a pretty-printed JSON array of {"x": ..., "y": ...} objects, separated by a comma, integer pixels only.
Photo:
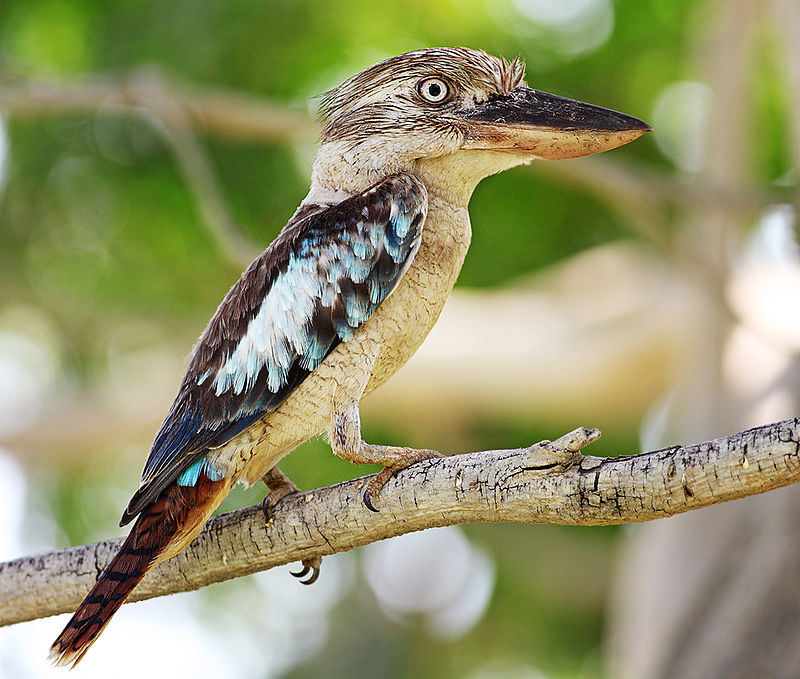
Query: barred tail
[{"x": 162, "y": 530}]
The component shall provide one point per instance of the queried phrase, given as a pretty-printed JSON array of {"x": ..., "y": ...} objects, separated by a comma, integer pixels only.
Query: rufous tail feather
[{"x": 162, "y": 530}]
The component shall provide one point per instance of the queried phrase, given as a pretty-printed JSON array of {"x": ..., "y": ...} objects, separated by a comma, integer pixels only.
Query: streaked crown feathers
[{"x": 380, "y": 94}]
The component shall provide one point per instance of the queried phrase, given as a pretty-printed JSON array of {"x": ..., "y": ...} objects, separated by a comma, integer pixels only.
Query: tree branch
[
  {"x": 548, "y": 483},
  {"x": 225, "y": 114}
]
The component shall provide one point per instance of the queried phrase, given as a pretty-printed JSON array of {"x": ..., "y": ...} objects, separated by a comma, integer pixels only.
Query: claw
[
  {"x": 266, "y": 507},
  {"x": 302, "y": 573},
  {"x": 375, "y": 486},
  {"x": 368, "y": 501},
  {"x": 309, "y": 566},
  {"x": 310, "y": 580}
]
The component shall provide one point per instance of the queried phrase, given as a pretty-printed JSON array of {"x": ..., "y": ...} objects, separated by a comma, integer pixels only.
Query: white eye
[{"x": 433, "y": 90}]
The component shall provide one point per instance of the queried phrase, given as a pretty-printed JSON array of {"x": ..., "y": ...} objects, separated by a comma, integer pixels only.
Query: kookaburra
[{"x": 343, "y": 296}]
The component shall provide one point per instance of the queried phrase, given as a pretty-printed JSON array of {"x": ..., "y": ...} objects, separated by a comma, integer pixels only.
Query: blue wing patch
[
  {"x": 190, "y": 475},
  {"x": 314, "y": 286}
]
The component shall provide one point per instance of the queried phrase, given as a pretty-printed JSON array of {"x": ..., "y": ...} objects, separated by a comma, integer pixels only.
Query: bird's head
[{"x": 455, "y": 113}]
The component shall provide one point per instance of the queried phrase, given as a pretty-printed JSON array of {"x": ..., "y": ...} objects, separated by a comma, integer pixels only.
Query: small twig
[
  {"x": 225, "y": 114},
  {"x": 175, "y": 125},
  {"x": 550, "y": 483}
]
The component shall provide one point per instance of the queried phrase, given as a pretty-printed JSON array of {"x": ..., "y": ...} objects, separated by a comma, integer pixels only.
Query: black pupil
[{"x": 434, "y": 90}]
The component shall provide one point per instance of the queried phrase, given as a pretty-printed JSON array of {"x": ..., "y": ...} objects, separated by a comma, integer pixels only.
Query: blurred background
[{"x": 148, "y": 150}]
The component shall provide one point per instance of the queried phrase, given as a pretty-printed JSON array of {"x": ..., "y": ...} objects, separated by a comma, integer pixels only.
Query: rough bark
[{"x": 550, "y": 483}]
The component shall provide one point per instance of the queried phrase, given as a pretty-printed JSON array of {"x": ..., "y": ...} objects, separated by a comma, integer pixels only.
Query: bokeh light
[
  {"x": 680, "y": 120},
  {"x": 437, "y": 575}
]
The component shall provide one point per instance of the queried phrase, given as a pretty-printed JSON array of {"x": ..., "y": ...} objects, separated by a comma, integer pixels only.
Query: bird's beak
[{"x": 532, "y": 123}]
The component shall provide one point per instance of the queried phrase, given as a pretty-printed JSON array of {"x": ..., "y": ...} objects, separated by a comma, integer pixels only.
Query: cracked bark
[{"x": 550, "y": 483}]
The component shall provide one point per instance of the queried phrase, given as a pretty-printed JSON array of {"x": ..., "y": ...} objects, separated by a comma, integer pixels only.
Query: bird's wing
[{"x": 312, "y": 288}]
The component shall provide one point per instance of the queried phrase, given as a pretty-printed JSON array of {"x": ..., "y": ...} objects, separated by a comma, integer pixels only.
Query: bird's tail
[{"x": 162, "y": 530}]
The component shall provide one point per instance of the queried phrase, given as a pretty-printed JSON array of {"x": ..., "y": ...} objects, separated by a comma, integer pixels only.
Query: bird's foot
[
  {"x": 280, "y": 486},
  {"x": 406, "y": 458},
  {"x": 309, "y": 566}
]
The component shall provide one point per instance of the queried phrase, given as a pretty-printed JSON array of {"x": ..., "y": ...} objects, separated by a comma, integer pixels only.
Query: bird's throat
[{"x": 453, "y": 177}]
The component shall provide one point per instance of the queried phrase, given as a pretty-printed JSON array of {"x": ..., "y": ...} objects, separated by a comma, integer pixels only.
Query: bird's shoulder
[{"x": 325, "y": 234}]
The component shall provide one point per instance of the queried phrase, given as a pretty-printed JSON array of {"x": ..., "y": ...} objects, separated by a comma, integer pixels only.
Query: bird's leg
[
  {"x": 346, "y": 442},
  {"x": 280, "y": 486}
]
